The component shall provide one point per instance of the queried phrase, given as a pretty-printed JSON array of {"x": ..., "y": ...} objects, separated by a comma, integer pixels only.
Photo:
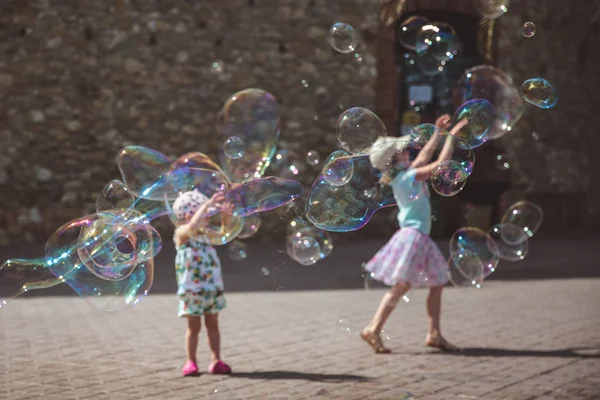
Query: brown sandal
[
  {"x": 374, "y": 340},
  {"x": 437, "y": 341}
]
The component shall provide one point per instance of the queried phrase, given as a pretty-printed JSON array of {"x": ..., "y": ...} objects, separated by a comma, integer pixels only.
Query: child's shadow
[
  {"x": 293, "y": 375},
  {"x": 576, "y": 352}
]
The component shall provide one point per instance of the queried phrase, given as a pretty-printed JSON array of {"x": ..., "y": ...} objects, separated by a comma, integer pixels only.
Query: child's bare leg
[
  {"x": 214, "y": 336},
  {"x": 386, "y": 306},
  {"x": 389, "y": 301},
  {"x": 191, "y": 337},
  {"x": 434, "y": 310}
]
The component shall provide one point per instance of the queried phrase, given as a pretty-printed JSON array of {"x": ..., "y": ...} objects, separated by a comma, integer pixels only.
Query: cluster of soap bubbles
[
  {"x": 475, "y": 254},
  {"x": 305, "y": 243},
  {"x": 108, "y": 257},
  {"x": 434, "y": 43}
]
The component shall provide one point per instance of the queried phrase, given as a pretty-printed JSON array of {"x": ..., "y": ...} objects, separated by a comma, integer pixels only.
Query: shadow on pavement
[
  {"x": 291, "y": 375},
  {"x": 582, "y": 352},
  {"x": 268, "y": 267}
]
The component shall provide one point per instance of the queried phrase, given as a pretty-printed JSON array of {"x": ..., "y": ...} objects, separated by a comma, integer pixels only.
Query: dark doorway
[{"x": 485, "y": 186}]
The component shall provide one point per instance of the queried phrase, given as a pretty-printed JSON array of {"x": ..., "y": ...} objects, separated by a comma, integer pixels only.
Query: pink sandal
[
  {"x": 219, "y": 368},
  {"x": 190, "y": 369}
]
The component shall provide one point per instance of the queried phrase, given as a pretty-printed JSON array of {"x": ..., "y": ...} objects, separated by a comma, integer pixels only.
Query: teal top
[{"x": 412, "y": 198}]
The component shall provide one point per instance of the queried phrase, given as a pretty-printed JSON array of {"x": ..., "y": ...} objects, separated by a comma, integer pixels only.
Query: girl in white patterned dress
[
  {"x": 410, "y": 258},
  {"x": 199, "y": 281}
]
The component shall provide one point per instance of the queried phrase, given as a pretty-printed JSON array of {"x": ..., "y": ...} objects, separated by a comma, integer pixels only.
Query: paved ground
[
  {"x": 523, "y": 340},
  {"x": 529, "y": 333}
]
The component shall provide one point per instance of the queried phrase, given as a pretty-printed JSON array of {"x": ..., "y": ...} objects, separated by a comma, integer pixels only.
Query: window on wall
[{"x": 422, "y": 97}]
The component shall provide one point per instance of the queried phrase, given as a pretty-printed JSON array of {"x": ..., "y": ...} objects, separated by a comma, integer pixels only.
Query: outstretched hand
[
  {"x": 443, "y": 122},
  {"x": 461, "y": 124}
]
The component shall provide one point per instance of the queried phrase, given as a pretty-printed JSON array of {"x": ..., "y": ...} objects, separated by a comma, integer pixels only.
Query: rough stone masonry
[{"x": 80, "y": 79}]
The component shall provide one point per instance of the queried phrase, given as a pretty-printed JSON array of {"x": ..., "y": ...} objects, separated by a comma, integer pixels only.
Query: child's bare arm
[{"x": 427, "y": 151}]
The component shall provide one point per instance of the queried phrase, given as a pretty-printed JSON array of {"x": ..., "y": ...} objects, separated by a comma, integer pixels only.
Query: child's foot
[
  {"x": 436, "y": 340},
  {"x": 374, "y": 340},
  {"x": 219, "y": 368},
  {"x": 190, "y": 369}
]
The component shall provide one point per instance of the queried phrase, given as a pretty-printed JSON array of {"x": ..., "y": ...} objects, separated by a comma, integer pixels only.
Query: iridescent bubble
[
  {"x": 539, "y": 92},
  {"x": 481, "y": 115},
  {"x": 233, "y": 147},
  {"x": 342, "y": 37},
  {"x": 340, "y": 208},
  {"x": 492, "y": 9},
  {"x": 305, "y": 250},
  {"x": 489, "y": 83},
  {"x": 504, "y": 250},
  {"x": 338, "y": 173},
  {"x": 111, "y": 244},
  {"x": 528, "y": 29},
  {"x": 261, "y": 195},
  {"x": 251, "y": 226},
  {"x": 114, "y": 196},
  {"x": 253, "y": 116},
  {"x": 475, "y": 242},
  {"x": 343, "y": 324},
  {"x": 422, "y": 133},
  {"x": 358, "y": 128},
  {"x": 526, "y": 216},
  {"x": 501, "y": 162},
  {"x": 438, "y": 40},
  {"x": 465, "y": 269},
  {"x": 220, "y": 227},
  {"x": 237, "y": 250},
  {"x": 62, "y": 258},
  {"x": 448, "y": 179},
  {"x": 462, "y": 159},
  {"x": 409, "y": 29},
  {"x": 18, "y": 276},
  {"x": 197, "y": 160},
  {"x": 216, "y": 66},
  {"x": 142, "y": 170},
  {"x": 313, "y": 158}
]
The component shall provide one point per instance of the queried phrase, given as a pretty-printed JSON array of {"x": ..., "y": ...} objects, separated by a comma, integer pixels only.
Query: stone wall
[
  {"x": 81, "y": 79},
  {"x": 554, "y": 153}
]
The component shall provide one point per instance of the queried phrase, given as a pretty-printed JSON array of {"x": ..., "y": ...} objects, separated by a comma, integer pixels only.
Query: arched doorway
[{"x": 483, "y": 192}]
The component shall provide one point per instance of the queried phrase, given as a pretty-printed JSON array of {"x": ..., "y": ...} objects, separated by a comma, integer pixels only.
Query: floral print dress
[{"x": 199, "y": 280}]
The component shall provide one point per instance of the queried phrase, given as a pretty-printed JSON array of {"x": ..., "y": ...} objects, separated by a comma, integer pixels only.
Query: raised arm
[
  {"x": 426, "y": 152},
  {"x": 424, "y": 172}
]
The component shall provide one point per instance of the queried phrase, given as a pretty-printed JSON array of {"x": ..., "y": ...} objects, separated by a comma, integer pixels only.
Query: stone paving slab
[{"x": 523, "y": 340}]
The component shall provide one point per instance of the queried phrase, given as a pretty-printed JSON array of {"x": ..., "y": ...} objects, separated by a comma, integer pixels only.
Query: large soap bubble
[
  {"x": 475, "y": 242},
  {"x": 142, "y": 170},
  {"x": 490, "y": 83},
  {"x": 465, "y": 269},
  {"x": 481, "y": 115},
  {"x": 305, "y": 243},
  {"x": 526, "y": 216},
  {"x": 344, "y": 208},
  {"x": 114, "y": 196},
  {"x": 439, "y": 40},
  {"x": 342, "y": 37},
  {"x": 338, "y": 173},
  {"x": 539, "y": 92},
  {"x": 260, "y": 195},
  {"x": 503, "y": 250},
  {"x": 358, "y": 128},
  {"x": 252, "y": 116},
  {"x": 409, "y": 29}
]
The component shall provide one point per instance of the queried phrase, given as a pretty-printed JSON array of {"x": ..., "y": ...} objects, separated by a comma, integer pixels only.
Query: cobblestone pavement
[{"x": 522, "y": 340}]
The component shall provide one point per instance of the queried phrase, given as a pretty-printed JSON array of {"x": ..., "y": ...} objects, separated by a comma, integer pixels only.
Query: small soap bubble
[
  {"x": 535, "y": 136},
  {"x": 540, "y": 92},
  {"x": 265, "y": 271},
  {"x": 528, "y": 29},
  {"x": 237, "y": 251},
  {"x": 313, "y": 158},
  {"x": 233, "y": 147},
  {"x": 305, "y": 83},
  {"x": 216, "y": 67},
  {"x": 342, "y": 37},
  {"x": 343, "y": 324},
  {"x": 221, "y": 392},
  {"x": 501, "y": 163}
]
